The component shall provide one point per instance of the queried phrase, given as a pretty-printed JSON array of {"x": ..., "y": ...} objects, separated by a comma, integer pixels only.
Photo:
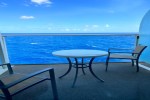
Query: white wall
[{"x": 144, "y": 32}]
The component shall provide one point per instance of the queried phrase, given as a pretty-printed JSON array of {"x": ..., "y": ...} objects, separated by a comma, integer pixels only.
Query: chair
[
  {"x": 134, "y": 55},
  {"x": 6, "y": 87}
]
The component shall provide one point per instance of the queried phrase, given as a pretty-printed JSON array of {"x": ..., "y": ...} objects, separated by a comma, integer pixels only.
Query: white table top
[{"x": 79, "y": 53}]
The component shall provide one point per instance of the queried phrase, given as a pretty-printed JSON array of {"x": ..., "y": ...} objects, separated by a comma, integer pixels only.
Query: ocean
[{"x": 38, "y": 49}]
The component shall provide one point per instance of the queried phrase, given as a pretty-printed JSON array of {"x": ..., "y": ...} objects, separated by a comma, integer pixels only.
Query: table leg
[
  {"x": 83, "y": 67},
  {"x": 69, "y": 69},
  {"x": 90, "y": 68},
  {"x": 75, "y": 78}
]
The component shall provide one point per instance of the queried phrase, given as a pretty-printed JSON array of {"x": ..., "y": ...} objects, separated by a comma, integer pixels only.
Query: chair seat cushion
[
  {"x": 121, "y": 56},
  {"x": 13, "y": 77}
]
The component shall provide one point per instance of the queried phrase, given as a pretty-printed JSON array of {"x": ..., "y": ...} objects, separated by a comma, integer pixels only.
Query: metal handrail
[{"x": 69, "y": 34}]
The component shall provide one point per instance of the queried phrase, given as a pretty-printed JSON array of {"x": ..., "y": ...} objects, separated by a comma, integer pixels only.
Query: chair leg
[
  {"x": 107, "y": 60},
  {"x": 137, "y": 65},
  {"x": 53, "y": 82},
  {"x": 10, "y": 68},
  {"x": 9, "y": 98},
  {"x": 132, "y": 62},
  {"x": 5, "y": 91}
]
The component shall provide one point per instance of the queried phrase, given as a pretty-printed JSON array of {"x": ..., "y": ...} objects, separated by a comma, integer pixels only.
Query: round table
[{"x": 80, "y": 53}]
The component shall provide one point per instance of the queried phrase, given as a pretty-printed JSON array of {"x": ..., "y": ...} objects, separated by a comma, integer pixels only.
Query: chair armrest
[{"x": 28, "y": 76}]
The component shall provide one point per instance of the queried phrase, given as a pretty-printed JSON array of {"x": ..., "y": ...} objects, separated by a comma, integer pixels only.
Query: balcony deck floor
[{"x": 122, "y": 82}]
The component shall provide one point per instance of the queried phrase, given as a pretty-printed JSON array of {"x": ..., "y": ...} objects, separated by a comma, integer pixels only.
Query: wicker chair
[
  {"x": 116, "y": 53},
  {"x": 5, "y": 86}
]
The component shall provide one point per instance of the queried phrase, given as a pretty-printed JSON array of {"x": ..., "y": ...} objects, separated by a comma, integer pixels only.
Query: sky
[{"x": 71, "y": 16}]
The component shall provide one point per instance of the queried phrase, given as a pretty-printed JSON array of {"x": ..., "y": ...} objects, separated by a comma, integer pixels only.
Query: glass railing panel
[{"x": 38, "y": 49}]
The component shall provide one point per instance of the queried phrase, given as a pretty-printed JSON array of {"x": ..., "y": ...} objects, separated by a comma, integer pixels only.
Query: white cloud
[
  {"x": 27, "y": 5},
  {"x": 27, "y": 17},
  {"x": 86, "y": 25},
  {"x": 107, "y": 25},
  {"x": 95, "y": 26},
  {"x": 85, "y": 30},
  {"x": 2, "y": 4},
  {"x": 39, "y": 2},
  {"x": 76, "y": 29},
  {"x": 67, "y": 29}
]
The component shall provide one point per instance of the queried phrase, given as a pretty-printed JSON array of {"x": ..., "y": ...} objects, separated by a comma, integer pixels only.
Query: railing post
[
  {"x": 3, "y": 50},
  {"x": 137, "y": 39}
]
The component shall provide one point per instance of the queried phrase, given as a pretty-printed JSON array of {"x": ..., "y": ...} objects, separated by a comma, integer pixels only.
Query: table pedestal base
[{"x": 77, "y": 66}]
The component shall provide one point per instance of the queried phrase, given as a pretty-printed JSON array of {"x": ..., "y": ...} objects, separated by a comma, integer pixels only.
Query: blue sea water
[{"x": 38, "y": 49}]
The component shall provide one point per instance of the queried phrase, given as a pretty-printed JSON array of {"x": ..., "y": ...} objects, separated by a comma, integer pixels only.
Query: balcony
[{"x": 120, "y": 82}]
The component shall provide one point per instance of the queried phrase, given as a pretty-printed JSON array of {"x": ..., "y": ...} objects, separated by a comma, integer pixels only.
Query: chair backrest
[{"x": 138, "y": 50}]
